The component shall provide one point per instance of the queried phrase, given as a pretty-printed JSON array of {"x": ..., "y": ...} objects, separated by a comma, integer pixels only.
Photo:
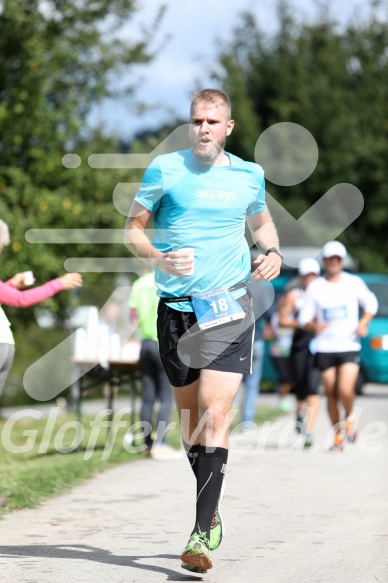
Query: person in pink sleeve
[{"x": 11, "y": 294}]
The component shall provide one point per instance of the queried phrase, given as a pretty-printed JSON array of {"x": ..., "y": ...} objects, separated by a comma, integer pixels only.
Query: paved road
[{"x": 292, "y": 516}]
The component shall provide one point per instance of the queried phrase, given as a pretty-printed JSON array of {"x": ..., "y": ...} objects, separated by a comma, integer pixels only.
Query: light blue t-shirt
[{"x": 203, "y": 207}]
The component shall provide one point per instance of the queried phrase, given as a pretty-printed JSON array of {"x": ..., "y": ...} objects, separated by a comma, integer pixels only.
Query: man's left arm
[
  {"x": 369, "y": 304},
  {"x": 265, "y": 235}
]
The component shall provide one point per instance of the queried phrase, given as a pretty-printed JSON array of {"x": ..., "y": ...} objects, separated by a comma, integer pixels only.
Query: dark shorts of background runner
[
  {"x": 283, "y": 368},
  {"x": 325, "y": 360},
  {"x": 185, "y": 349},
  {"x": 305, "y": 373}
]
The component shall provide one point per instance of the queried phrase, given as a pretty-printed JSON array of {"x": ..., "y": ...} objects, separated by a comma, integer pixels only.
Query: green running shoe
[
  {"x": 217, "y": 529},
  {"x": 309, "y": 441},
  {"x": 196, "y": 556}
]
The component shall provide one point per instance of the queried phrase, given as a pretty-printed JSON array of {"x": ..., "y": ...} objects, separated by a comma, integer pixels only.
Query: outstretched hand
[
  {"x": 18, "y": 281},
  {"x": 71, "y": 280}
]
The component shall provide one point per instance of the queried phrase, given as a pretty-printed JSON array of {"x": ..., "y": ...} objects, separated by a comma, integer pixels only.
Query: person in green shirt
[{"x": 155, "y": 384}]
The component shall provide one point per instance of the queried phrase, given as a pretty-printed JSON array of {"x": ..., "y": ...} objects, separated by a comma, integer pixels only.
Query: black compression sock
[
  {"x": 192, "y": 455},
  {"x": 210, "y": 473}
]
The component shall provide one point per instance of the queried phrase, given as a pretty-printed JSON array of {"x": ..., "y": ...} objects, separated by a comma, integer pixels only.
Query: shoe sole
[
  {"x": 192, "y": 568},
  {"x": 202, "y": 561},
  {"x": 336, "y": 449}
]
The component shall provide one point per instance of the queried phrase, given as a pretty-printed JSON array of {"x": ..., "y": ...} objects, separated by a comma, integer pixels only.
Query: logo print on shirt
[{"x": 216, "y": 194}]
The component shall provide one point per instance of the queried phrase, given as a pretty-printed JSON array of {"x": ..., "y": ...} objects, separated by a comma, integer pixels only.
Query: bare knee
[
  {"x": 189, "y": 422},
  {"x": 216, "y": 420},
  {"x": 329, "y": 379}
]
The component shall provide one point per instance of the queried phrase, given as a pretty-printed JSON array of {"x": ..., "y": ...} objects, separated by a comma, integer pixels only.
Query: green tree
[
  {"x": 59, "y": 58},
  {"x": 334, "y": 82}
]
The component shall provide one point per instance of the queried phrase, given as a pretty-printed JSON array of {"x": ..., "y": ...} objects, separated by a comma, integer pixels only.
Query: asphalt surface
[{"x": 292, "y": 515}]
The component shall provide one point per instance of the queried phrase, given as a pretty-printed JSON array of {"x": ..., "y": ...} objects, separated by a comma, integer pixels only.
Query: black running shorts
[
  {"x": 282, "y": 365},
  {"x": 185, "y": 349},
  {"x": 305, "y": 373},
  {"x": 325, "y": 360}
]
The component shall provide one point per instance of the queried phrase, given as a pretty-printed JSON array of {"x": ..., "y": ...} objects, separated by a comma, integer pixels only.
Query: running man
[
  {"x": 331, "y": 311},
  {"x": 201, "y": 198}
]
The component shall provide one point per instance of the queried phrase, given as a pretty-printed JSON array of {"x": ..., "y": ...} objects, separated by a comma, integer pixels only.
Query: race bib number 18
[{"x": 216, "y": 307}]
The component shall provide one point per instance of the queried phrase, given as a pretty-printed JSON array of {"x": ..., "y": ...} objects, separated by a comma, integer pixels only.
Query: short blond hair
[
  {"x": 4, "y": 234},
  {"x": 212, "y": 96}
]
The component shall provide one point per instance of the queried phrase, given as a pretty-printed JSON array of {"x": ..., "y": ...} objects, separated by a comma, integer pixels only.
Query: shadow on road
[{"x": 88, "y": 553}]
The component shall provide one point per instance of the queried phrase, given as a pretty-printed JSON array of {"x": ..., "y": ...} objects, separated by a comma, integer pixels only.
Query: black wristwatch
[{"x": 274, "y": 250}]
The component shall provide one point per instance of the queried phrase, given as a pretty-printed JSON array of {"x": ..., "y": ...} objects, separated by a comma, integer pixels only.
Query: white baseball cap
[
  {"x": 308, "y": 265},
  {"x": 334, "y": 248}
]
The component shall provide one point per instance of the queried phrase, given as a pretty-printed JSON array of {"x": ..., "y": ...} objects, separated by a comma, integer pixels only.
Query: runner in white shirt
[{"x": 331, "y": 311}]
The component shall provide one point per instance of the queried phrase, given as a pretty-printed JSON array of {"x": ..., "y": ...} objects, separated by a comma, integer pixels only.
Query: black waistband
[{"x": 189, "y": 298}]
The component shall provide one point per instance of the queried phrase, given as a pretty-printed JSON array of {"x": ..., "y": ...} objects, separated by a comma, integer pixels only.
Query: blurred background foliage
[
  {"x": 61, "y": 57},
  {"x": 334, "y": 82}
]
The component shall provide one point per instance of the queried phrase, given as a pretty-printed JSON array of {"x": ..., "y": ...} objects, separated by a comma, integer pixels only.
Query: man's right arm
[
  {"x": 139, "y": 244},
  {"x": 135, "y": 238}
]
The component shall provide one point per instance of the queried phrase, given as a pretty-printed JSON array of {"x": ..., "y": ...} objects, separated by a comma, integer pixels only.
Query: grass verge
[{"x": 46, "y": 456}]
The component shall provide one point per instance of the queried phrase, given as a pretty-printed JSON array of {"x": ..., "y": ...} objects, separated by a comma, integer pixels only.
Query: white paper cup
[
  {"x": 28, "y": 277},
  {"x": 189, "y": 251}
]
